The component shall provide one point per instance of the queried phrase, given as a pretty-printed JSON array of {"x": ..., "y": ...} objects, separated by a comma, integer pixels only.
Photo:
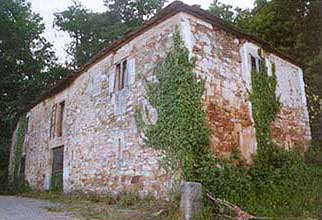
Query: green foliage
[
  {"x": 24, "y": 55},
  {"x": 19, "y": 146},
  {"x": 27, "y": 67},
  {"x": 91, "y": 32},
  {"x": 293, "y": 26},
  {"x": 180, "y": 131},
  {"x": 314, "y": 96},
  {"x": 18, "y": 183},
  {"x": 228, "y": 13},
  {"x": 264, "y": 112},
  {"x": 134, "y": 12},
  {"x": 57, "y": 182},
  {"x": 270, "y": 187}
]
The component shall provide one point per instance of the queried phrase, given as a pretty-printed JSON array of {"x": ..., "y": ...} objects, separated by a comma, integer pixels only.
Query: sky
[{"x": 47, "y": 8}]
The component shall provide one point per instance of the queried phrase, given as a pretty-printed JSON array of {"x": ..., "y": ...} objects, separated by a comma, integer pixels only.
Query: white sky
[{"x": 46, "y": 9}]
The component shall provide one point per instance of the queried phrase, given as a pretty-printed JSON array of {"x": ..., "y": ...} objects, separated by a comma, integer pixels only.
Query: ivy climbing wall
[{"x": 224, "y": 61}]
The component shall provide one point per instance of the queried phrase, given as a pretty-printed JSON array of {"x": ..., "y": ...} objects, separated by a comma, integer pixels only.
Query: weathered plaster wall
[
  {"x": 103, "y": 151},
  {"x": 292, "y": 126}
]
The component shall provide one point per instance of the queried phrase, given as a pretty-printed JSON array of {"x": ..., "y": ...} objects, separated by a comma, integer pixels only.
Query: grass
[
  {"x": 123, "y": 207},
  {"x": 276, "y": 201}
]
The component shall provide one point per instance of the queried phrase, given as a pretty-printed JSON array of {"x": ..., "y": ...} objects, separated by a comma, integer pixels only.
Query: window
[
  {"x": 53, "y": 122},
  {"x": 121, "y": 76},
  {"x": 56, "y": 120},
  {"x": 256, "y": 64}
]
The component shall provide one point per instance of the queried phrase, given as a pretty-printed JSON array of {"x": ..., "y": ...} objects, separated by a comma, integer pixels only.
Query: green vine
[
  {"x": 18, "y": 177},
  {"x": 19, "y": 146},
  {"x": 180, "y": 132},
  {"x": 181, "y": 135},
  {"x": 266, "y": 105}
]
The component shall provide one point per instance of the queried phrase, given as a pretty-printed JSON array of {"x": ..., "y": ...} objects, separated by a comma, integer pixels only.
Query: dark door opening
[{"x": 57, "y": 170}]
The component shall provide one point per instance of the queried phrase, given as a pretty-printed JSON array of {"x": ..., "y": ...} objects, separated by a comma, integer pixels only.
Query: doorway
[{"x": 57, "y": 169}]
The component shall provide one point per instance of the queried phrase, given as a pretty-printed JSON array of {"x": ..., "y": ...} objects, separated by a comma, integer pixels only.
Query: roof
[{"x": 169, "y": 11}]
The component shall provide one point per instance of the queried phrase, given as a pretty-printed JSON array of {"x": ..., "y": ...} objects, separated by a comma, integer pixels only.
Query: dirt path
[{"x": 18, "y": 208}]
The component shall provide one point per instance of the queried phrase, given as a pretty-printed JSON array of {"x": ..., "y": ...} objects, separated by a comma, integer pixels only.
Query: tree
[
  {"x": 313, "y": 81},
  {"x": 134, "y": 12},
  {"x": 27, "y": 64},
  {"x": 24, "y": 53},
  {"x": 90, "y": 32},
  {"x": 228, "y": 13}
]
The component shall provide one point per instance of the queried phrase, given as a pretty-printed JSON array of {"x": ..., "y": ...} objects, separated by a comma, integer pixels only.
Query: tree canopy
[
  {"x": 90, "y": 32},
  {"x": 27, "y": 66}
]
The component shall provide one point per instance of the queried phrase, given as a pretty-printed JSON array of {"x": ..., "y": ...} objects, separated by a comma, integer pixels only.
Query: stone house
[{"x": 84, "y": 129}]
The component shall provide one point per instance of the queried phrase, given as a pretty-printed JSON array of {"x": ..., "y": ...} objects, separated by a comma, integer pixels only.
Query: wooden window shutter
[
  {"x": 60, "y": 117},
  {"x": 111, "y": 83},
  {"x": 53, "y": 121},
  {"x": 131, "y": 71},
  {"x": 117, "y": 78}
]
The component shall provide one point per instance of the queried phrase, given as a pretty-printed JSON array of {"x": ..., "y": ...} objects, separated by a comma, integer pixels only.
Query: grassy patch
[
  {"x": 124, "y": 206},
  {"x": 54, "y": 208}
]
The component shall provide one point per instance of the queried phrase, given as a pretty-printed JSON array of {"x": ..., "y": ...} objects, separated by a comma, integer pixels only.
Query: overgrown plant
[
  {"x": 271, "y": 187},
  {"x": 180, "y": 132},
  {"x": 18, "y": 183},
  {"x": 265, "y": 104}
]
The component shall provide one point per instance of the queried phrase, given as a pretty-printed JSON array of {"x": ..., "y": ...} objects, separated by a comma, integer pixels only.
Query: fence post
[{"x": 191, "y": 199}]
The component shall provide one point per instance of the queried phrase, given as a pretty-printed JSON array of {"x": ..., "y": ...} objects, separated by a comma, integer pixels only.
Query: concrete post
[{"x": 191, "y": 199}]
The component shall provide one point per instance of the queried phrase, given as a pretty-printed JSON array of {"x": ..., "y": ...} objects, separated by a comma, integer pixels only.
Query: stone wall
[
  {"x": 103, "y": 151},
  {"x": 223, "y": 60},
  {"x": 229, "y": 110}
]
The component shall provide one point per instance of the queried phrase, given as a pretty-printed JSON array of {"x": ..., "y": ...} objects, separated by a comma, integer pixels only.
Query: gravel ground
[{"x": 18, "y": 208}]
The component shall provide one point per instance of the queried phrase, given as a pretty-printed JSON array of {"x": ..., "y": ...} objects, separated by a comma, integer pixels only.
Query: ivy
[
  {"x": 266, "y": 106},
  {"x": 19, "y": 146},
  {"x": 180, "y": 132},
  {"x": 18, "y": 182},
  {"x": 181, "y": 135}
]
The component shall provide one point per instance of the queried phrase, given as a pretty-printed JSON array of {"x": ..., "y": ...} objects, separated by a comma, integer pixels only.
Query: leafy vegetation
[
  {"x": 279, "y": 181},
  {"x": 181, "y": 131},
  {"x": 27, "y": 68},
  {"x": 111, "y": 207},
  {"x": 18, "y": 183},
  {"x": 292, "y": 26},
  {"x": 90, "y": 32}
]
